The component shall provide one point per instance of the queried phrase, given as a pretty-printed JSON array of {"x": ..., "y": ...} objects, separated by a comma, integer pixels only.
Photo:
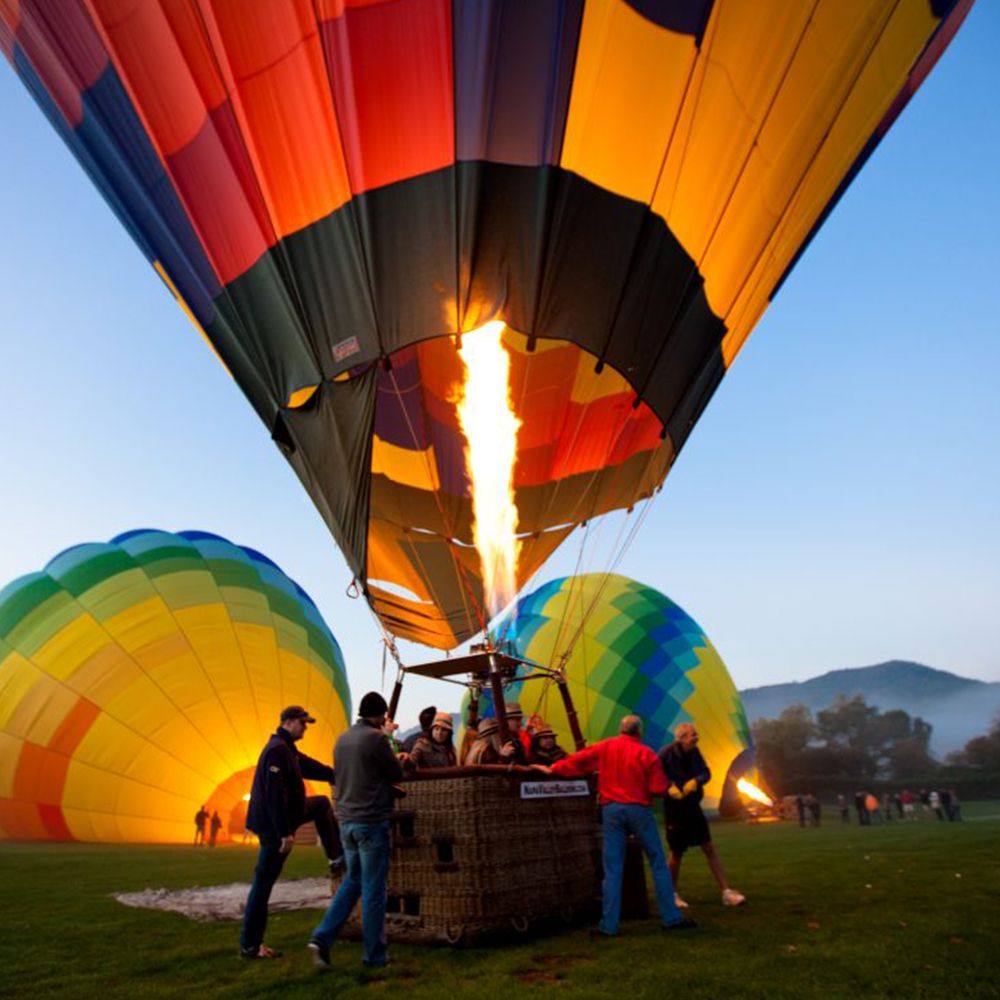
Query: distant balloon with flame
[
  {"x": 626, "y": 648},
  {"x": 337, "y": 193},
  {"x": 139, "y": 679}
]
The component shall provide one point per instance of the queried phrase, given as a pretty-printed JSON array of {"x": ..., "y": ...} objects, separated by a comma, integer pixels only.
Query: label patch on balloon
[
  {"x": 553, "y": 789},
  {"x": 346, "y": 348}
]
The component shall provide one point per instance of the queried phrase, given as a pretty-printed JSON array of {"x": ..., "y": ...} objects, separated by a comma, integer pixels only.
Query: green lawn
[{"x": 905, "y": 910}]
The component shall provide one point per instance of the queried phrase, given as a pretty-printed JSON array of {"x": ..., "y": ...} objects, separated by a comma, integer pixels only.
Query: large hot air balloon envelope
[
  {"x": 140, "y": 678},
  {"x": 336, "y": 189},
  {"x": 627, "y": 648}
]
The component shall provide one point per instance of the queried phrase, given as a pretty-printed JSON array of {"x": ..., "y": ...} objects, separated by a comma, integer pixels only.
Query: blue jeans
[
  {"x": 618, "y": 821},
  {"x": 366, "y": 853}
]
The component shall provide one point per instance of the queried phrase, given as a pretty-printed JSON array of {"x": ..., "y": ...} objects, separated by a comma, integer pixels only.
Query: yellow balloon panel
[{"x": 140, "y": 678}]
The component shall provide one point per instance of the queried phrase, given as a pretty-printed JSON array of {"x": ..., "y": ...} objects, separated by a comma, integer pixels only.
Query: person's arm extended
[
  {"x": 314, "y": 770},
  {"x": 388, "y": 763},
  {"x": 576, "y": 765}
]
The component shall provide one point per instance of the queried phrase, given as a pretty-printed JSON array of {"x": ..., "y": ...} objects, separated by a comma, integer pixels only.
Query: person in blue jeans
[
  {"x": 367, "y": 770},
  {"x": 628, "y": 776}
]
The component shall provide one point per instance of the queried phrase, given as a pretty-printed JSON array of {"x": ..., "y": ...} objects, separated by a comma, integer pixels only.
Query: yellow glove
[
  {"x": 690, "y": 786},
  {"x": 675, "y": 793}
]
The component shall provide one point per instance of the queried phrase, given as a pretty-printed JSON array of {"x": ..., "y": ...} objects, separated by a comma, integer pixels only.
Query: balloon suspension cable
[{"x": 626, "y": 542}]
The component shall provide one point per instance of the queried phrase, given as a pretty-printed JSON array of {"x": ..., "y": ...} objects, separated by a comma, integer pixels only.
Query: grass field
[{"x": 904, "y": 910}]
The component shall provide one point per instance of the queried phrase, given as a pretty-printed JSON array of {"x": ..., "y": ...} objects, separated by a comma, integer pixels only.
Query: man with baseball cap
[
  {"x": 367, "y": 770},
  {"x": 278, "y": 807}
]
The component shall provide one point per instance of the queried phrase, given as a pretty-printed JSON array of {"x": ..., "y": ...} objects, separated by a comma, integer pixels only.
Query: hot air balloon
[
  {"x": 139, "y": 679},
  {"x": 626, "y": 648},
  {"x": 339, "y": 192}
]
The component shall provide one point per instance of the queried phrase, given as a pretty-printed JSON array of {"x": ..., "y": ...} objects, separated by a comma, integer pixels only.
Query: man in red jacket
[{"x": 628, "y": 776}]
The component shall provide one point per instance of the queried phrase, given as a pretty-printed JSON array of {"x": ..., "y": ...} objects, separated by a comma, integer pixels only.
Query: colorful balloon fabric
[
  {"x": 139, "y": 680},
  {"x": 335, "y": 191},
  {"x": 632, "y": 650}
]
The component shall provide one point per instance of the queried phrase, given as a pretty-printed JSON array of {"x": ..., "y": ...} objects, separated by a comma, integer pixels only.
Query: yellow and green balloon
[
  {"x": 630, "y": 649},
  {"x": 139, "y": 679}
]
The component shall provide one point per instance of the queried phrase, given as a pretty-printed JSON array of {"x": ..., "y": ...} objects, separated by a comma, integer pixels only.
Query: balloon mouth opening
[{"x": 230, "y": 800}]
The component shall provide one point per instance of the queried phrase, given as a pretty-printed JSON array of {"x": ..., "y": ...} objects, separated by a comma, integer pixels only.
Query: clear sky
[{"x": 836, "y": 506}]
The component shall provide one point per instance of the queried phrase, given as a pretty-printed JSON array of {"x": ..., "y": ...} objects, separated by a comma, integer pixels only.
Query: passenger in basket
[
  {"x": 486, "y": 749},
  {"x": 434, "y": 750},
  {"x": 520, "y": 737},
  {"x": 544, "y": 748}
]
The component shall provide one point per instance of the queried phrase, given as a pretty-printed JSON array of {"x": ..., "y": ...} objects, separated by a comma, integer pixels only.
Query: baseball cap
[{"x": 296, "y": 712}]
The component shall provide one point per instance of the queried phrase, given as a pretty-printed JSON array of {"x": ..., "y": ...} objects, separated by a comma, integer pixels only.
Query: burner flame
[{"x": 490, "y": 426}]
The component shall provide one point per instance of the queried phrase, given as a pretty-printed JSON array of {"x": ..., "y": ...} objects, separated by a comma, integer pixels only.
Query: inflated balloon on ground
[
  {"x": 627, "y": 648},
  {"x": 139, "y": 679}
]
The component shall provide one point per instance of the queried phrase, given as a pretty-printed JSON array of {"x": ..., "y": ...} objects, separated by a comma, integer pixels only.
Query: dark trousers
[
  {"x": 320, "y": 812},
  {"x": 270, "y": 862}
]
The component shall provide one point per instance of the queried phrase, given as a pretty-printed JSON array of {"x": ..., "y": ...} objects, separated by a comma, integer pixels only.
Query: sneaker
[
  {"x": 377, "y": 965},
  {"x": 730, "y": 897},
  {"x": 679, "y": 903},
  {"x": 684, "y": 924},
  {"x": 337, "y": 865},
  {"x": 320, "y": 954}
]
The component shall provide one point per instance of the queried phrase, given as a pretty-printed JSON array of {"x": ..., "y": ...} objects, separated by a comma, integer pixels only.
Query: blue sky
[{"x": 836, "y": 506}]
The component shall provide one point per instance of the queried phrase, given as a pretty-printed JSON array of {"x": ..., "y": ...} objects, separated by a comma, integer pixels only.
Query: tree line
[{"x": 853, "y": 745}]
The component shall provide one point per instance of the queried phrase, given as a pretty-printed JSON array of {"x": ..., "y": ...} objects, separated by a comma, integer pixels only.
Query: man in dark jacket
[
  {"x": 688, "y": 774},
  {"x": 367, "y": 770},
  {"x": 278, "y": 807}
]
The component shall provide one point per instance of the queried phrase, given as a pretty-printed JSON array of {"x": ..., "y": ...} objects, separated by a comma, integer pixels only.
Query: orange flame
[
  {"x": 490, "y": 427},
  {"x": 751, "y": 791}
]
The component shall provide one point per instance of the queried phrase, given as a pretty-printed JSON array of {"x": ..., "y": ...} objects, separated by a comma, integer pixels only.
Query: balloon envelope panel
[
  {"x": 140, "y": 676},
  {"x": 631, "y": 650},
  {"x": 326, "y": 188}
]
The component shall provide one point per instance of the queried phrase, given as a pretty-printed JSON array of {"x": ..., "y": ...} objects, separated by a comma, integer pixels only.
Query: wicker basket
[{"x": 471, "y": 858}]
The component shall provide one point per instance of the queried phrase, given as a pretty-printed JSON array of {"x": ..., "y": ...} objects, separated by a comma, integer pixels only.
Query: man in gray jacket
[{"x": 366, "y": 771}]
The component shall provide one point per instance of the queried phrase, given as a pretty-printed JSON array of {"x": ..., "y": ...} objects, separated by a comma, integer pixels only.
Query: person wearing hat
[
  {"x": 426, "y": 719},
  {"x": 367, "y": 770},
  {"x": 486, "y": 748},
  {"x": 278, "y": 807},
  {"x": 435, "y": 749},
  {"x": 519, "y": 735},
  {"x": 544, "y": 748}
]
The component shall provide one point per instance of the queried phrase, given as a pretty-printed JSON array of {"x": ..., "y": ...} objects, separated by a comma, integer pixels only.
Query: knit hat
[
  {"x": 443, "y": 719},
  {"x": 372, "y": 705}
]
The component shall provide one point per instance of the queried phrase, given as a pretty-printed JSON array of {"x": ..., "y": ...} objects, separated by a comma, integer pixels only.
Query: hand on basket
[{"x": 544, "y": 768}]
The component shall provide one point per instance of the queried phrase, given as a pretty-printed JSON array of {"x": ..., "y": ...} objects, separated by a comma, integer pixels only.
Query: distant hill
[{"x": 958, "y": 708}]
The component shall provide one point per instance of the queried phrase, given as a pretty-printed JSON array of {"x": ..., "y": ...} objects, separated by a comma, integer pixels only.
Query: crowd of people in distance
[
  {"x": 942, "y": 804},
  {"x": 938, "y": 804},
  {"x": 432, "y": 746}
]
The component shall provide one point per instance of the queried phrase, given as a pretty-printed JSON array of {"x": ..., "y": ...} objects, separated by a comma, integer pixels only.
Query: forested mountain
[{"x": 958, "y": 708}]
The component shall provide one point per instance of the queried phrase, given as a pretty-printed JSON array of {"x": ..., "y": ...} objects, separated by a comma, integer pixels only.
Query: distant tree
[
  {"x": 781, "y": 746},
  {"x": 980, "y": 751},
  {"x": 849, "y": 743}
]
